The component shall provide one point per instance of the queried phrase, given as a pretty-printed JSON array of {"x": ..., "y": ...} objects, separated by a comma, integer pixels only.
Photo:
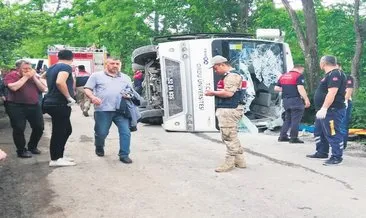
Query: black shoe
[
  {"x": 34, "y": 151},
  {"x": 125, "y": 160},
  {"x": 24, "y": 154},
  {"x": 296, "y": 141},
  {"x": 317, "y": 155},
  {"x": 133, "y": 128},
  {"x": 333, "y": 161},
  {"x": 283, "y": 139},
  {"x": 99, "y": 152}
]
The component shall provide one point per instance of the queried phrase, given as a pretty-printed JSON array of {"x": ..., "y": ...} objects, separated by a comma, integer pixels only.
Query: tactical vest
[{"x": 233, "y": 101}]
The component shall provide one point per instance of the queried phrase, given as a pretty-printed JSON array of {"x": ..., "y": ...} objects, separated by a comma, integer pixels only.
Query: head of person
[
  {"x": 23, "y": 66},
  {"x": 81, "y": 68},
  {"x": 113, "y": 65},
  {"x": 18, "y": 63},
  {"x": 299, "y": 68},
  {"x": 328, "y": 63},
  {"x": 220, "y": 64},
  {"x": 65, "y": 56}
]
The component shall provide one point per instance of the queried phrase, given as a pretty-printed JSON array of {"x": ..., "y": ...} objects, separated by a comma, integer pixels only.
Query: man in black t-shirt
[
  {"x": 329, "y": 102},
  {"x": 57, "y": 103},
  {"x": 349, "y": 106}
]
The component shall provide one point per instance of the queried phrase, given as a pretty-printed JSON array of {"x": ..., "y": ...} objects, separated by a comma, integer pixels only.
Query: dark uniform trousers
[
  {"x": 19, "y": 114},
  {"x": 294, "y": 110},
  {"x": 346, "y": 122},
  {"x": 329, "y": 132}
]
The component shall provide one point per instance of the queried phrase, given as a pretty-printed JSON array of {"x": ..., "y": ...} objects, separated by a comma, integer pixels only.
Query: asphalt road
[{"x": 173, "y": 176}]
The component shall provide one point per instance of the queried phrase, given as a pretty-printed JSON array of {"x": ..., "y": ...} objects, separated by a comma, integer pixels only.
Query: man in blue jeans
[
  {"x": 329, "y": 103},
  {"x": 104, "y": 90}
]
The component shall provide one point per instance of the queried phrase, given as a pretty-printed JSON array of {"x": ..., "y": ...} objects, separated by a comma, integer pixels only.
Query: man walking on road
[
  {"x": 294, "y": 96},
  {"x": 230, "y": 109},
  {"x": 81, "y": 78},
  {"x": 24, "y": 88},
  {"x": 329, "y": 102},
  {"x": 57, "y": 103},
  {"x": 104, "y": 90}
]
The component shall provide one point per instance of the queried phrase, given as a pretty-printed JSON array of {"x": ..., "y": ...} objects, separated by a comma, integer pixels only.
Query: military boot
[
  {"x": 240, "y": 161},
  {"x": 227, "y": 166}
]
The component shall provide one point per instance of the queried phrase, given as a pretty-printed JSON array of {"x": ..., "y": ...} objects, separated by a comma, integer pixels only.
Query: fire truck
[{"x": 92, "y": 58}]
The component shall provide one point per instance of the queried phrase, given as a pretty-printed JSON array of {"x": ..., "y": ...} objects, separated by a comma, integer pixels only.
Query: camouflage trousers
[
  {"x": 82, "y": 99},
  {"x": 228, "y": 122}
]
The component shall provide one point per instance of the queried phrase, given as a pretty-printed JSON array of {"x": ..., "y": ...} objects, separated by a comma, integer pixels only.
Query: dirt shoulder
[{"x": 23, "y": 184}]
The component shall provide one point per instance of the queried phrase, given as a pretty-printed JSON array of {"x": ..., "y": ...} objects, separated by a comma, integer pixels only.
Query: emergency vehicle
[
  {"x": 177, "y": 73},
  {"x": 92, "y": 58}
]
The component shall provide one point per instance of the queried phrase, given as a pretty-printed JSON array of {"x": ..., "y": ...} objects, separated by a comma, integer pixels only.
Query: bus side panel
[{"x": 202, "y": 78}]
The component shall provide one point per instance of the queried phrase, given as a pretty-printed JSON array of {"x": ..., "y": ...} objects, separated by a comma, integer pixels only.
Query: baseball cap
[{"x": 218, "y": 59}]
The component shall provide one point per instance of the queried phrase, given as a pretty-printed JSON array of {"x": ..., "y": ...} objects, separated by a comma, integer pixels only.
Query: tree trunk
[
  {"x": 308, "y": 40},
  {"x": 156, "y": 22},
  {"x": 311, "y": 29},
  {"x": 355, "y": 71},
  {"x": 57, "y": 7},
  {"x": 244, "y": 14}
]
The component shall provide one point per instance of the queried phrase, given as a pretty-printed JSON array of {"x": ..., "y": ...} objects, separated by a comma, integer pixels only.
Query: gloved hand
[
  {"x": 71, "y": 101},
  {"x": 321, "y": 113},
  {"x": 346, "y": 103}
]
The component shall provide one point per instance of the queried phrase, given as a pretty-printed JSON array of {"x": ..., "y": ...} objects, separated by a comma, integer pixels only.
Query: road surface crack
[{"x": 277, "y": 161}]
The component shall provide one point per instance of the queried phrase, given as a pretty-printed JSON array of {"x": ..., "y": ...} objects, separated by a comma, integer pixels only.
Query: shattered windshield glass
[{"x": 260, "y": 63}]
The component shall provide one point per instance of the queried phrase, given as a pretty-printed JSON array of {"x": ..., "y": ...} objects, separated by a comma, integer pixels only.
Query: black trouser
[
  {"x": 19, "y": 114},
  {"x": 61, "y": 129},
  {"x": 294, "y": 110}
]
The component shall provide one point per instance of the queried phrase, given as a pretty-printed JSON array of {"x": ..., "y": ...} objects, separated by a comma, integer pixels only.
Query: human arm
[
  {"x": 40, "y": 85},
  {"x": 220, "y": 93},
  {"x": 94, "y": 99},
  {"x": 231, "y": 83},
  {"x": 90, "y": 85},
  {"x": 14, "y": 84},
  {"x": 349, "y": 92},
  {"x": 277, "y": 88},
  {"x": 349, "y": 88},
  {"x": 61, "y": 84},
  {"x": 303, "y": 95}
]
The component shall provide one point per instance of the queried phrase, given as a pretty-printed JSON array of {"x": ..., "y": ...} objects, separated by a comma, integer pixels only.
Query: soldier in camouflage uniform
[{"x": 230, "y": 109}]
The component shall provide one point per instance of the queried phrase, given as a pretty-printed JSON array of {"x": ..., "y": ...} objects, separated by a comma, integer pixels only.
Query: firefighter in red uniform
[{"x": 295, "y": 100}]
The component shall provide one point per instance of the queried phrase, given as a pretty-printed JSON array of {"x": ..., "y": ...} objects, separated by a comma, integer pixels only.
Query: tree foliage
[{"x": 121, "y": 26}]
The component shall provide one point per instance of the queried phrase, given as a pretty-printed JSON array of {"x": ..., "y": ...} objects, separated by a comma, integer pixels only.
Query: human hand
[
  {"x": 322, "y": 113},
  {"x": 29, "y": 73},
  {"x": 307, "y": 104},
  {"x": 209, "y": 93},
  {"x": 70, "y": 101},
  {"x": 2, "y": 155},
  {"x": 97, "y": 101}
]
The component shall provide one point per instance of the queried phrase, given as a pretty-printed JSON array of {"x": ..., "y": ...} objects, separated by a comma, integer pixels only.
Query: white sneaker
[
  {"x": 68, "y": 159},
  {"x": 61, "y": 163}
]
